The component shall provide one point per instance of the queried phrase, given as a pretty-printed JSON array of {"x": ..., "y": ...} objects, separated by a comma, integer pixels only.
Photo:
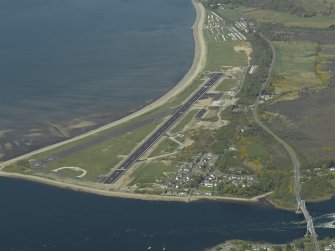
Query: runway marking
[{"x": 161, "y": 130}]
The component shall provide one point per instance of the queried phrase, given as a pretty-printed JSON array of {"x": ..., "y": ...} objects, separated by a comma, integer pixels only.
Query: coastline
[
  {"x": 198, "y": 64},
  {"x": 125, "y": 195}
]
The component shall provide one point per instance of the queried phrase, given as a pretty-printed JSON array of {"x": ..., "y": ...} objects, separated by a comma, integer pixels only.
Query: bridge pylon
[{"x": 298, "y": 211}]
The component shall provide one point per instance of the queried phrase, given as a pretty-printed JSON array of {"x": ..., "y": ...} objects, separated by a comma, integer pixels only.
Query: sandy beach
[
  {"x": 197, "y": 66},
  {"x": 100, "y": 189}
]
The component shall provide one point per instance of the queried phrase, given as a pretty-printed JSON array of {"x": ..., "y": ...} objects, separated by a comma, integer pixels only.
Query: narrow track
[
  {"x": 294, "y": 158},
  {"x": 144, "y": 147}
]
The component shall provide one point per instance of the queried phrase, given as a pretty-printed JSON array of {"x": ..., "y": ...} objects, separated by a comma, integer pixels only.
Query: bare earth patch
[{"x": 243, "y": 47}]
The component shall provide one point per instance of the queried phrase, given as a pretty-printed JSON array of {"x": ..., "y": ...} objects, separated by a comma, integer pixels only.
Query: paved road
[
  {"x": 294, "y": 158},
  {"x": 101, "y": 138},
  {"x": 133, "y": 157}
]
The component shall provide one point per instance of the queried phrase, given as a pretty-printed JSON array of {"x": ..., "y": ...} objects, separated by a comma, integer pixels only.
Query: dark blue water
[
  {"x": 97, "y": 60},
  {"x": 69, "y": 60},
  {"x": 37, "y": 217}
]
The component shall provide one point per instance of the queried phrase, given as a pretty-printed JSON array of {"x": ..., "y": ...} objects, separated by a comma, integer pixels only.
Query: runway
[{"x": 134, "y": 156}]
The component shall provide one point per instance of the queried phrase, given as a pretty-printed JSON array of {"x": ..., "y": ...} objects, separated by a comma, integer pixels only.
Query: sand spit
[
  {"x": 101, "y": 189},
  {"x": 196, "y": 68}
]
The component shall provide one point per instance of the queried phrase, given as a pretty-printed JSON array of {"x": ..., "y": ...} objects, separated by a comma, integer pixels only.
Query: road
[
  {"x": 99, "y": 139},
  {"x": 197, "y": 67},
  {"x": 294, "y": 158},
  {"x": 135, "y": 155}
]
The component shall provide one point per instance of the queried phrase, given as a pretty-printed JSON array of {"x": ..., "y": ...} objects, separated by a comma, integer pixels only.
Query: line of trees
[{"x": 262, "y": 56}]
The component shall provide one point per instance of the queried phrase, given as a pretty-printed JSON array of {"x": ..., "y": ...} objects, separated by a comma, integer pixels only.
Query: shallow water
[{"x": 67, "y": 61}]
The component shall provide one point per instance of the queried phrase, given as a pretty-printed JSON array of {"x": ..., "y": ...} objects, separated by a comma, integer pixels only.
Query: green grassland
[
  {"x": 164, "y": 147},
  {"x": 262, "y": 153},
  {"x": 326, "y": 62},
  {"x": 299, "y": 13},
  {"x": 230, "y": 14},
  {"x": 288, "y": 19},
  {"x": 101, "y": 158},
  {"x": 92, "y": 137},
  {"x": 184, "y": 95},
  {"x": 295, "y": 67},
  {"x": 148, "y": 173},
  {"x": 69, "y": 173},
  {"x": 256, "y": 149},
  {"x": 223, "y": 54},
  {"x": 227, "y": 84},
  {"x": 259, "y": 153},
  {"x": 327, "y": 52},
  {"x": 256, "y": 152},
  {"x": 184, "y": 122},
  {"x": 318, "y": 187},
  {"x": 295, "y": 57},
  {"x": 304, "y": 243},
  {"x": 211, "y": 115}
]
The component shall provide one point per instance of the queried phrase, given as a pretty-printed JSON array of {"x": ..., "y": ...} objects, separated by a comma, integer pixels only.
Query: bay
[{"x": 68, "y": 66}]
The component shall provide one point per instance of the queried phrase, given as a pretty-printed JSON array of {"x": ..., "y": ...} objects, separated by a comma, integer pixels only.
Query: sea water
[
  {"x": 37, "y": 217},
  {"x": 68, "y": 66}
]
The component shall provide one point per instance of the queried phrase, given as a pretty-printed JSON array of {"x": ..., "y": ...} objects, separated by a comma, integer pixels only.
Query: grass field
[
  {"x": 185, "y": 120},
  {"x": 148, "y": 173},
  {"x": 317, "y": 187},
  {"x": 223, "y": 54},
  {"x": 295, "y": 67},
  {"x": 101, "y": 158},
  {"x": 229, "y": 14},
  {"x": 295, "y": 57},
  {"x": 69, "y": 173},
  {"x": 328, "y": 52},
  {"x": 227, "y": 84},
  {"x": 289, "y": 20},
  {"x": 164, "y": 147},
  {"x": 211, "y": 114}
]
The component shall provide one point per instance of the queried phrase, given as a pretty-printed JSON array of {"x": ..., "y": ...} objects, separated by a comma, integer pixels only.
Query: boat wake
[{"x": 325, "y": 221}]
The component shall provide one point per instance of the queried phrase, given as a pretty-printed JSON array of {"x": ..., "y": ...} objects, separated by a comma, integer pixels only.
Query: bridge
[
  {"x": 301, "y": 208},
  {"x": 295, "y": 160},
  {"x": 310, "y": 226}
]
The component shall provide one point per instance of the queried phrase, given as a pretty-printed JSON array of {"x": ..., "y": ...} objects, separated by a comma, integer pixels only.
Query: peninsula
[{"x": 226, "y": 131}]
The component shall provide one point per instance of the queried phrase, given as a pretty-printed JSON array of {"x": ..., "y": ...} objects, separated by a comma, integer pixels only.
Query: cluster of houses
[{"x": 201, "y": 165}]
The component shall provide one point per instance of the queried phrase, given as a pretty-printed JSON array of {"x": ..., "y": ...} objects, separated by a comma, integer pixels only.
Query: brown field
[{"x": 309, "y": 124}]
